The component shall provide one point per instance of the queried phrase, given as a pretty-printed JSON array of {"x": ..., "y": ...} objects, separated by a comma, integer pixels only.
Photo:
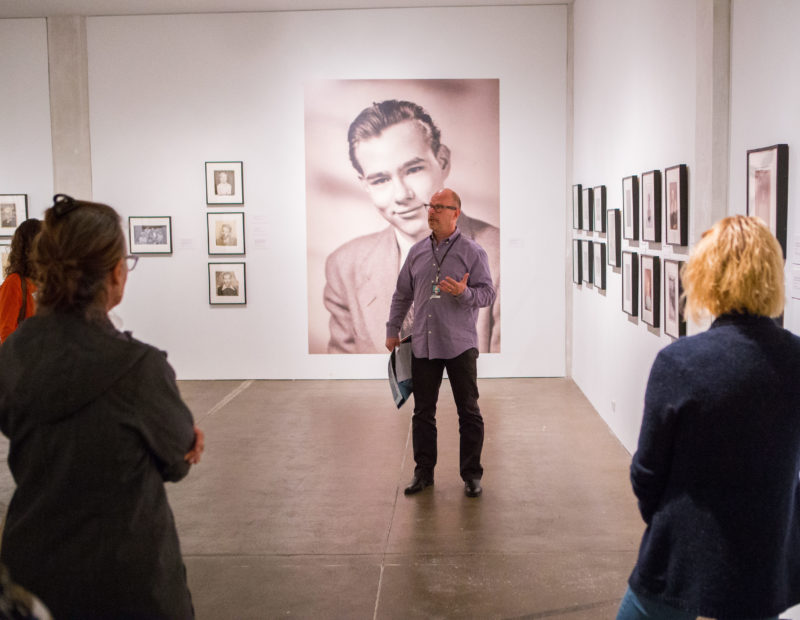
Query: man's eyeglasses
[
  {"x": 131, "y": 261},
  {"x": 440, "y": 208}
]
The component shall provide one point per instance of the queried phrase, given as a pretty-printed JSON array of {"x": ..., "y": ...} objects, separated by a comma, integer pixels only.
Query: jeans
[
  {"x": 637, "y": 607},
  {"x": 427, "y": 378}
]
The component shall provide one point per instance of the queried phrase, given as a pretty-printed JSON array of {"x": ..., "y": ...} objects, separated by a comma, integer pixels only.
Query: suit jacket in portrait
[{"x": 361, "y": 276}]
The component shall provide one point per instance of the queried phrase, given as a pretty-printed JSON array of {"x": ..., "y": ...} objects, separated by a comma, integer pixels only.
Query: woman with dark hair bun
[
  {"x": 16, "y": 292},
  {"x": 96, "y": 426}
]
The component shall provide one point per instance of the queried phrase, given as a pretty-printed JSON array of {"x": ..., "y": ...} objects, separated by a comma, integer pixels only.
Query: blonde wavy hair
[{"x": 737, "y": 266}]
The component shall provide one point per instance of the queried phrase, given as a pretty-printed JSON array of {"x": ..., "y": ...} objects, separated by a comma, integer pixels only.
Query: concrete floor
[{"x": 297, "y": 509}]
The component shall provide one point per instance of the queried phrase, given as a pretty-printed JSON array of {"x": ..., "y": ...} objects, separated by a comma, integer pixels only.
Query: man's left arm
[{"x": 475, "y": 288}]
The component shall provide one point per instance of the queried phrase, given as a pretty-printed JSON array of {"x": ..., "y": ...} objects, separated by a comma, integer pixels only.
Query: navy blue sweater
[{"x": 716, "y": 472}]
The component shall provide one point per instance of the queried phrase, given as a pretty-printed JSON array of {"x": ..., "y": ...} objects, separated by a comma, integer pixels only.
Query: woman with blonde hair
[
  {"x": 96, "y": 426},
  {"x": 716, "y": 469}
]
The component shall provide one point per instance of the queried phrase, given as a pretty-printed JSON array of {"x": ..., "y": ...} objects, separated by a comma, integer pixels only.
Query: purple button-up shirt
[{"x": 445, "y": 327}]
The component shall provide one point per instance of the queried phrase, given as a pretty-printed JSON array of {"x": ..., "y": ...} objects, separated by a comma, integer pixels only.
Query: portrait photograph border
[
  {"x": 577, "y": 213},
  {"x": 681, "y": 322},
  {"x": 149, "y": 248},
  {"x": 214, "y": 298},
  {"x": 237, "y": 196},
  {"x": 599, "y": 218},
  {"x": 656, "y": 238},
  {"x": 586, "y": 261},
  {"x": 778, "y": 165},
  {"x": 651, "y": 317},
  {"x": 599, "y": 279},
  {"x": 577, "y": 262},
  {"x": 613, "y": 231},
  {"x": 634, "y": 268},
  {"x": 212, "y": 218},
  {"x": 21, "y": 212},
  {"x": 587, "y": 206},
  {"x": 633, "y": 226},
  {"x": 681, "y": 237}
]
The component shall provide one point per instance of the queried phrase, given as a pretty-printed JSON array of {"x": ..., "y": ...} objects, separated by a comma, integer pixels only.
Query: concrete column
[
  {"x": 709, "y": 183},
  {"x": 69, "y": 105}
]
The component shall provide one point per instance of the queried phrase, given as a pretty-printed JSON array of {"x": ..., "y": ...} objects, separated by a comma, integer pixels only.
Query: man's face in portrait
[
  {"x": 400, "y": 173},
  {"x": 226, "y": 280}
]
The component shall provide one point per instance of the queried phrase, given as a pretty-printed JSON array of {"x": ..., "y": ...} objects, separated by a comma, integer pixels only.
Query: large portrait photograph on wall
[
  {"x": 768, "y": 187},
  {"x": 376, "y": 151}
]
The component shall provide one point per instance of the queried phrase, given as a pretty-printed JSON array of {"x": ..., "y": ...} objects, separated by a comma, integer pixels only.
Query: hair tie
[{"x": 63, "y": 204}]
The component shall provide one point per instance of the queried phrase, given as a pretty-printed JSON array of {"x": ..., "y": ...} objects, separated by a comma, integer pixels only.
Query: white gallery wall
[
  {"x": 168, "y": 93},
  {"x": 26, "y": 156},
  {"x": 634, "y": 111},
  {"x": 765, "y": 110}
]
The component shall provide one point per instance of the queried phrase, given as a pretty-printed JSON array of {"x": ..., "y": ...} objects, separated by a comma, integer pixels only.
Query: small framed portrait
[
  {"x": 674, "y": 325},
  {"x": 225, "y": 233},
  {"x": 226, "y": 284},
  {"x": 224, "y": 183},
  {"x": 586, "y": 260},
  {"x": 651, "y": 287},
  {"x": 651, "y": 206},
  {"x": 768, "y": 187},
  {"x": 677, "y": 192},
  {"x": 13, "y": 211},
  {"x": 599, "y": 209},
  {"x": 150, "y": 235},
  {"x": 613, "y": 235},
  {"x": 630, "y": 283},
  {"x": 599, "y": 265},
  {"x": 576, "y": 207},
  {"x": 587, "y": 204},
  {"x": 577, "y": 271},
  {"x": 5, "y": 250},
  {"x": 630, "y": 207}
]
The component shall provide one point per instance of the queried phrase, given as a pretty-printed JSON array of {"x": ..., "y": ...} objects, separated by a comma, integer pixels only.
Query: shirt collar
[{"x": 456, "y": 234}]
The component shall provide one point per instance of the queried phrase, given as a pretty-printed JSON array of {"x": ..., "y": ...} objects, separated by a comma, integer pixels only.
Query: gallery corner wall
[{"x": 659, "y": 84}]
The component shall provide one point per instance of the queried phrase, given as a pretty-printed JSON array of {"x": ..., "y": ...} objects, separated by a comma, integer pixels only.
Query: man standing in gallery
[
  {"x": 447, "y": 277},
  {"x": 395, "y": 148}
]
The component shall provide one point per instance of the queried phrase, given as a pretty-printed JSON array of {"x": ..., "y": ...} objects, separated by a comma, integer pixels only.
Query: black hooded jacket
[{"x": 96, "y": 425}]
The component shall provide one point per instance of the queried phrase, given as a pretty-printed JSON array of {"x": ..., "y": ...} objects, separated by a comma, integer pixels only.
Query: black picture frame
[
  {"x": 768, "y": 188},
  {"x": 599, "y": 265},
  {"x": 650, "y": 270},
  {"x": 225, "y": 230},
  {"x": 150, "y": 234},
  {"x": 587, "y": 204},
  {"x": 586, "y": 260},
  {"x": 599, "y": 208},
  {"x": 224, "y": 183},
  {"x": 630, "y": 283},
  {"x": 577, "y": 213},
  {"x": 577, "y": 263},
  {"x": 651, "y": 206},
  {"x": 676, "y": 209},
  {"x": 614, "y": 236},
  {"x": 224, "y": 291},
  {"x": 674, "y": 323},
  {"x": 13, "y": 211},
  {"x": 630, "y": 207}
]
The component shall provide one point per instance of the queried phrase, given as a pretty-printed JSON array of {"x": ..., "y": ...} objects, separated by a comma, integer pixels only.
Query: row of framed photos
[
  {"x": 641, "y": 282},
  {"x": 589, "y": 206},
  {"x": 13, "y": 211},
  {"x": 153, "y": 234}
]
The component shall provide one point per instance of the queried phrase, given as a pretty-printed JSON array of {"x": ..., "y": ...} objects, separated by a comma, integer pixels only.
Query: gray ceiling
[{"x": 44, "y": 8}]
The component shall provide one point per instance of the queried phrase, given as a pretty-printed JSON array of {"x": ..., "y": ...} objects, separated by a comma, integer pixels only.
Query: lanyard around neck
[{"x": 439, "y": 263}]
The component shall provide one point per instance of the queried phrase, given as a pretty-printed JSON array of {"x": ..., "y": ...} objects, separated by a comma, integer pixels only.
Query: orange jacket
[{"x": 11, "y": 302}]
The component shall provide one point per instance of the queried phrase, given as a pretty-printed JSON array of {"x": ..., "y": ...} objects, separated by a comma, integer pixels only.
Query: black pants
[{"x": 427, "y": 378}]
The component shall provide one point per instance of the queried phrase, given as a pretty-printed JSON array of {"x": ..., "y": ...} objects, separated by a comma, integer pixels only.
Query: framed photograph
[
  {"x": 577, "y": 271},
  {"x": 13, "y": 211},
  {"x": 613, "y": 230},
  {"x": 576, "y": 207},
  {"x": 150, "y": 235},
  {"x": 651, "y": 206},
  {"x": 5, "y": 250},
  {"x": 599, "y": 265},
  {"x": 224, "y": 183},
  {"x": 677, "y": 214},
  {"x": 225, "y": 233},
  {"x": 599, "y": 208},
  {"x": 630, "y": 283},
  {"x": 586, "y": 260},
  {"x": 630, "y": 207},
  {"x": 651, "y": 287},
  {"x": 226, "y": 284},
  {"x": 587, "y": 204},
  {"x": 674, "y": 325},
  {"x": 768, "y": 187}
]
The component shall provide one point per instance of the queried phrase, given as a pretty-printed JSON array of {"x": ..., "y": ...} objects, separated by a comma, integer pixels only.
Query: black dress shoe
[
  {"x": 417, "y": 484},
  {"x": 472, "y": 488}
]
